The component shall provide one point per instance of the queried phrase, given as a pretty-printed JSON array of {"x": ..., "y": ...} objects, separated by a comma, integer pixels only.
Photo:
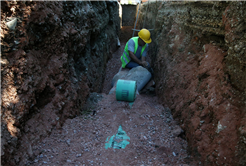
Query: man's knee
[{"x": 131, "y": 65}]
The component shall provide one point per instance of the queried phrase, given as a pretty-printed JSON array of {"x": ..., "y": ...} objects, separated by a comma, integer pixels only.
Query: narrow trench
[
  {"x": 152, "y": 136},
  {"x": 57, "y": 65}
]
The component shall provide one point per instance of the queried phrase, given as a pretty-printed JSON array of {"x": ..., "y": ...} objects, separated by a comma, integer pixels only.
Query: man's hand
[
  {"x": 144, "y": 64},
  {"x": 141, "y": 62}
]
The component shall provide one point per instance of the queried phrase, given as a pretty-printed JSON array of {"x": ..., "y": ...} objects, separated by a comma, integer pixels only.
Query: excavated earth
[
  {"x": 54, "y": 53},
  {"x": 199, "y": 56}
]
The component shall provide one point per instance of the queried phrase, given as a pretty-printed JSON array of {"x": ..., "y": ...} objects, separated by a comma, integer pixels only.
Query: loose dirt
[{"x": 154, "y": 137}]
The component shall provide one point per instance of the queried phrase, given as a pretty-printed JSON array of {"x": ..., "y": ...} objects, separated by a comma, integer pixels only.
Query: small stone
[
  {"x": 78, "y": 155},
  {"x": 12, "y": 24},
  {"x": 237, "y": 48},
  {"x": 16, "y": 42},
  {"x": 69, "y": 161},
  {"x": 177, "y": 131},
  {"x": 4, "y": 62},
  {"x": 68, "y": 141},
  {"x": 73, "y": 31}
]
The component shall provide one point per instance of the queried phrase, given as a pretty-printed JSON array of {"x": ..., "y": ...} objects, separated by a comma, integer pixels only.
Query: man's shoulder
[
  {"x": 131, "y": 41},
  {"x": 133, "y": 38}
]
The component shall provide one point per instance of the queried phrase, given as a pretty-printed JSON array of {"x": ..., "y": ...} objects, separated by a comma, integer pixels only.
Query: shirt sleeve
[
  {"x": 131, "y": 45},
  {"x": 145, "y": 51}
]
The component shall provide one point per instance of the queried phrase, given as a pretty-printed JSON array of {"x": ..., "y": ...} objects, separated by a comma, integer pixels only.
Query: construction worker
[{"x": 135, "y": 51}]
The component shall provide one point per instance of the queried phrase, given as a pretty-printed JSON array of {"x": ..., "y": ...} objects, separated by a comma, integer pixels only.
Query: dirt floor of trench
[{"x": 154, "y": 137}]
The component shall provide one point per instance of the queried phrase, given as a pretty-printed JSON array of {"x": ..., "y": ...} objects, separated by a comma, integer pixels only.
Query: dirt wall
[
  {"x": 53, "y": 55},
  {"x": 198, "y": 55}
]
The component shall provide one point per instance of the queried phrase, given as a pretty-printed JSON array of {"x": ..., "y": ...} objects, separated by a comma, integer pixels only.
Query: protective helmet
[{"x": 144, "y": 34}]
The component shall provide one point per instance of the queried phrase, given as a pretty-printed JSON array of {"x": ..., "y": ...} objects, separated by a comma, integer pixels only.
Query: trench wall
[
  {"x": 53, "y": 55},
  {"x": 198, "y": 55}
]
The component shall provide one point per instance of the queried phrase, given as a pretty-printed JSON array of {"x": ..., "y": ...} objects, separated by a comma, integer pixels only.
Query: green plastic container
[{"x": 126, "y": 90}]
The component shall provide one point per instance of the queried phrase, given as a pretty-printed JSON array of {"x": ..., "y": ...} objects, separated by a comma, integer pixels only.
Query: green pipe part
[{"x": 126, "y": 90}]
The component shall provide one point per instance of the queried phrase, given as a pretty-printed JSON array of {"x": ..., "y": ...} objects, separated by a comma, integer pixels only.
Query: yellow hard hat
[{"x": 144, "y": 34}]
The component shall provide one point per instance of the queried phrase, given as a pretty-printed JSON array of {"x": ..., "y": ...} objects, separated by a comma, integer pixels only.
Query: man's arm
[
  {"x": 143, "y": 58},
  {"x": 144, "y": 63},
  {"x": 134, "y": 58}
]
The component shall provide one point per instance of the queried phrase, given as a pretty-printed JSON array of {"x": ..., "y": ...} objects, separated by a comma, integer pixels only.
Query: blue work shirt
[{"x": 131, "y": 46}]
